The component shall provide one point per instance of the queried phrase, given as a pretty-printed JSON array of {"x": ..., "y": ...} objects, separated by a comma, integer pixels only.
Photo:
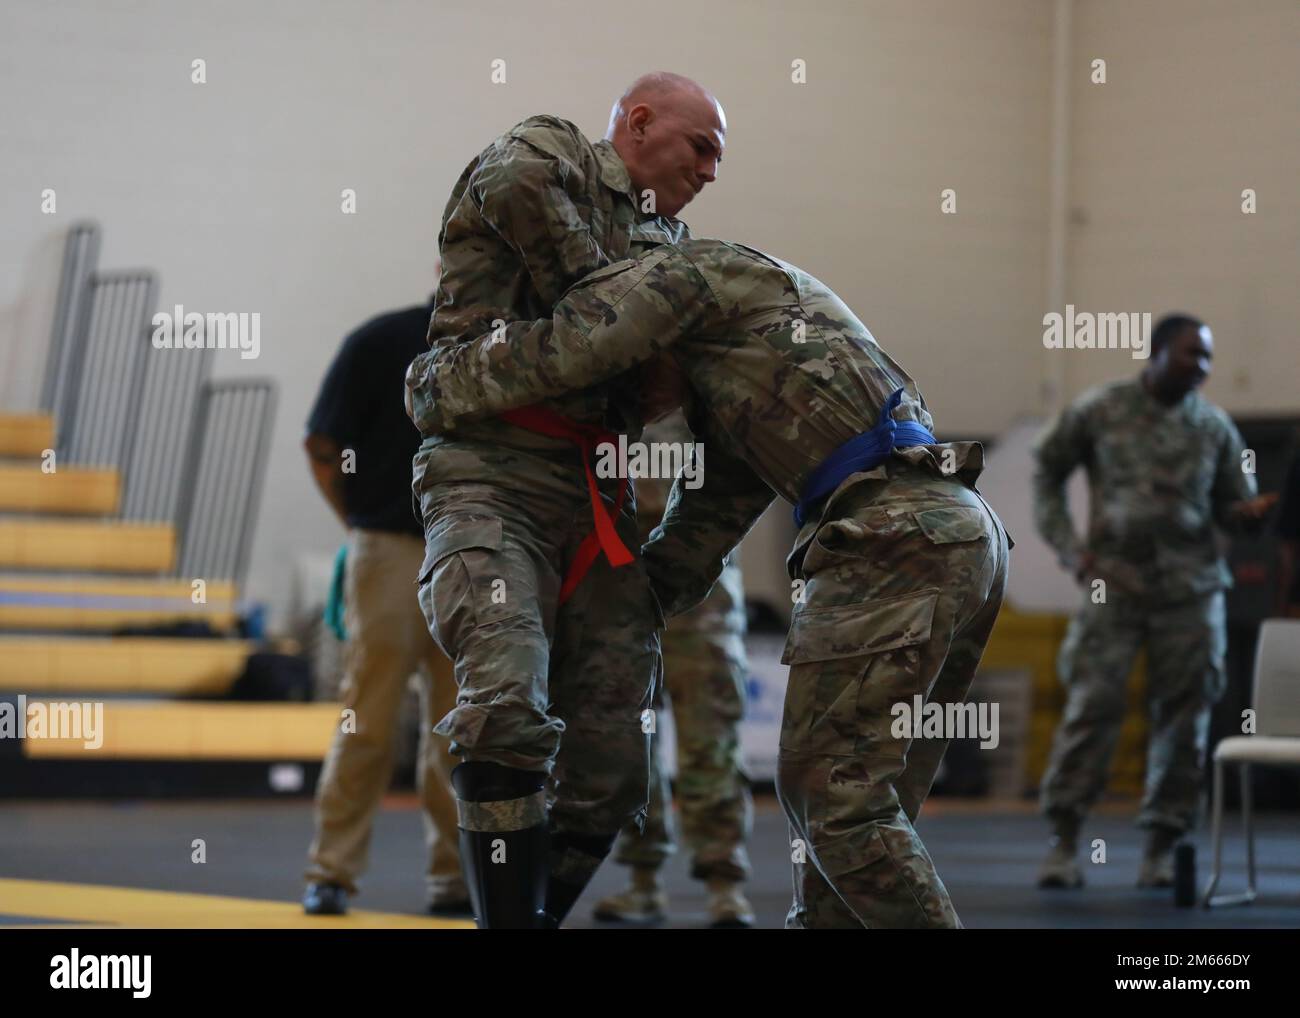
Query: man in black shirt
[{"x": 360, "y": 444}]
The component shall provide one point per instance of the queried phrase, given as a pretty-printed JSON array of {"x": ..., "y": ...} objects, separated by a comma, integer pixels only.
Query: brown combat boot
[
  {"x": 1061, "y": 867},
  {"x": 644, "y": 902},
  {"x": 728, "y": 907},
  {"x": 1157, "y": 869}
]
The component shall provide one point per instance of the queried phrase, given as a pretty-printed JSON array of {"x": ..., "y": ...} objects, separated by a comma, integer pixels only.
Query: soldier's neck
[{"x": 1161, "y": 393}]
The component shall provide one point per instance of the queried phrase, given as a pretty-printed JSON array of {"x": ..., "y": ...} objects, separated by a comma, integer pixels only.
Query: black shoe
[
  {"x": 504, "y": 870},
  {"x": 325, "y": 899}
]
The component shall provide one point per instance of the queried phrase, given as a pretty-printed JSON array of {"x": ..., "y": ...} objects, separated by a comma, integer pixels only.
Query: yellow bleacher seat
[
  {"x": 24, "y": 436},
  {"x": 25, "y": 488},
  {"x": 156, "y": 666},
  {"x": 111, "y": 546},
  {"x": 201, "y": 731},
  {"x": 90, "y": 603}
]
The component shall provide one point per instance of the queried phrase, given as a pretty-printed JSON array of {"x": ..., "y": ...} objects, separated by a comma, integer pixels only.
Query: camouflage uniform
[
  {"x": 704, "y": 672},
  {"x": 903, "y": 567},
  {"x": 505, "y": 509},
  {"x": 1160, "y": 478}
]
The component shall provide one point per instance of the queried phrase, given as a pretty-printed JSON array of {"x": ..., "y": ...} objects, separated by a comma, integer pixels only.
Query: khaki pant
[{"x": 387, "y": 642}]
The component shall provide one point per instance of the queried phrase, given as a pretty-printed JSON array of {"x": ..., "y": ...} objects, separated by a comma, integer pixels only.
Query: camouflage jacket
[
  {"x": 537, "y": 210},
  {"x": 1160, "y": 477},
  {"x": 781, "y": 371}
]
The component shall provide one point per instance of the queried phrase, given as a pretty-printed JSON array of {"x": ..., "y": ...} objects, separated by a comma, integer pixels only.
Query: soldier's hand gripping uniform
[
  {"x": 1160, "y": 478},
  {"x": 549, "y": 701},
  {"x": 902, "y": 564}
]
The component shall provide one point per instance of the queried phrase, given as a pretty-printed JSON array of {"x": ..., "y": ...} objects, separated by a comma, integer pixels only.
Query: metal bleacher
[{"x": 127, "y": 506}]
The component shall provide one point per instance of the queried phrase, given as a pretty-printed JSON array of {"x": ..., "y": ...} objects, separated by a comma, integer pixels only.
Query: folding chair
[{"x": 1276, "y": 741}]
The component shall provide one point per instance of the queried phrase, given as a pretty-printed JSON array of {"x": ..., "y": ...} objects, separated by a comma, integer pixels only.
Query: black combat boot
[{"x": 503, "y": 843}]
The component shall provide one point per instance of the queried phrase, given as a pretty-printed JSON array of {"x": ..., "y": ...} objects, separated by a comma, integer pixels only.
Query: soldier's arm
[
  {"x": 1234, "y": 503},
  {"x": 531, "y": 191},
  {"x": 609, "y": 322},
  {"x": 1058, "y": 451},
  {"x": 325, "y": 458},
  {"x": 701, "y": 527}
]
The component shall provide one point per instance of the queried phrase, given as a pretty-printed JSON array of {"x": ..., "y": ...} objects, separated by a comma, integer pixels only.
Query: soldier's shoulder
[
  {"x": 712, "y": 247},
  {"x": 703, "y": 248},
  {"x": 703, "y": 261},
  {"x": 1213, "y": 417},
  {"x": 728, "y": 257},
  {"x": 552, "y": 135},
  {"x": 1090, "y": 410},
  {"x": 1108, "y": 394}
]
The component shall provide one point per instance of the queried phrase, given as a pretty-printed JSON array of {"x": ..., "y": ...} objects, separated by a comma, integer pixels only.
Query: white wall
[
  {"x": 1202, "y": 100},
  {"x": 231, "y": 189}
]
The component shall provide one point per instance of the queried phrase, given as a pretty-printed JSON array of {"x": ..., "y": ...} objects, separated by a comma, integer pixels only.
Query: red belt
[{"x": 586, "y": 437}]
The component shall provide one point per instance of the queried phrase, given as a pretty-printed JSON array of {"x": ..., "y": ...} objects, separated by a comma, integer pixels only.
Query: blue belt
[{"x": 864, "y": 452}]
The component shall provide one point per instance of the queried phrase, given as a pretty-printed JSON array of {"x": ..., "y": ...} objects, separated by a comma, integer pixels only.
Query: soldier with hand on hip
[{"x": 1165, "y": 468}]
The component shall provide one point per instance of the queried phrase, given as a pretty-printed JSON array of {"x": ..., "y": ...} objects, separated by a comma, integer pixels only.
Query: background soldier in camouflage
[
  {"x": 901, "y": 567},
  {"x": 506, "y": 510},
  {"x": 704, "y": 672},
  {"x": 1164, "y": 466}
]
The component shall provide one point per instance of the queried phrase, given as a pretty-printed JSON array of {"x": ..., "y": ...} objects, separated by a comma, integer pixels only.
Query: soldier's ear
[{"x": 639, "y": 117}]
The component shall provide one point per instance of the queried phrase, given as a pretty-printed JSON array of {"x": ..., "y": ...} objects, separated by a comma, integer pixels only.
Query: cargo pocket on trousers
[
  {"x": 834, "y": 653},
  {"x": 952, "y": 524},
  {"x": 461, "y": 580},
  {"x": 860, "y": 849}
]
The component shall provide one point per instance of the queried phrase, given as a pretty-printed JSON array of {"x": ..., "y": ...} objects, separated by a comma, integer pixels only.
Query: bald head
[{"x": 670, "y": 133}]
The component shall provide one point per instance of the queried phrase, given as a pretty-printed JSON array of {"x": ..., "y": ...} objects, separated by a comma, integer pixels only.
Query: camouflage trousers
[
  {"x": 903, "y": 582},
  {"x": 540, "y": 688},
  {"x": 704, "y": 673},
  {"x": 1185, "y": 645}
]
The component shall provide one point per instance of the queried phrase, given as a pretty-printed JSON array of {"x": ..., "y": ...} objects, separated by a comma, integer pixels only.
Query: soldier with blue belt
[{"x": 899, "y": 563}]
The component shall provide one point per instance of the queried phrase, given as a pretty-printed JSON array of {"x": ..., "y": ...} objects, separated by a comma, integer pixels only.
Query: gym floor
[{"x": 130, "y": 864}]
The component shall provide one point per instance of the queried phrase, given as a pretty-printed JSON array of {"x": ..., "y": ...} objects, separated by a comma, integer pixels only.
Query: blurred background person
[
  {"x": 1165, "y": 467},
  {"x": 704, "y": 674},
  {"x": 360, "y": 444}
]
